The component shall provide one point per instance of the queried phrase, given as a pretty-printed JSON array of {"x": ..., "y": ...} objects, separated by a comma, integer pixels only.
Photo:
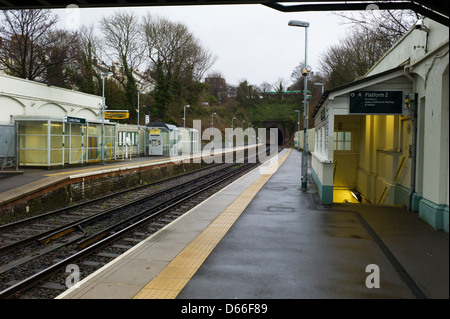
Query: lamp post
[
  {"x": 104, "y": 75},
  {"x": 320, "y": 84},
  {"x": 296, "y": 23},
  {"x": 184, "y": 118},
  {"x": 212, "y": 123},
  {"x": 231, "y": 139},
  {"x": 139, "y": 128},
  {"x": 298, "y": 123}
]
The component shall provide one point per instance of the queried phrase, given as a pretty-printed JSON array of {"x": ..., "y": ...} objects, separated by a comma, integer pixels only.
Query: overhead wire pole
[
  {"x": 305, "y": 106},
  {"x": 298, "y": 123},
  {"x": 103, "y": 117}
]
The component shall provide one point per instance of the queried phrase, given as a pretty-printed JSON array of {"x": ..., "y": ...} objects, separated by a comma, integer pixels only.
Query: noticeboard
[
  {"x": 155, "y": 131},
  {"x": 116, "y": 115},
  {"x": 376, "y": 102}
]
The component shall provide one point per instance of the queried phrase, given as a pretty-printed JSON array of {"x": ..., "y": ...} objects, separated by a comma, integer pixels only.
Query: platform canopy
[{"x": 433, "y": 9}]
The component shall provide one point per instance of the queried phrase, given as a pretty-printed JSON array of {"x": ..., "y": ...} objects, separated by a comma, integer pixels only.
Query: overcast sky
[{"x": 252, "y": 42}]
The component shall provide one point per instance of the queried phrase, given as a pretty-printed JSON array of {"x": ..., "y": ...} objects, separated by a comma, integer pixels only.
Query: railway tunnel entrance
[{"x": 282, "y": 133}]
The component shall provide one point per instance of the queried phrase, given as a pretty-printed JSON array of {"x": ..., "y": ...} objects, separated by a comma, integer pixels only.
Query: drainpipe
[{"x": 412, "y": 150}]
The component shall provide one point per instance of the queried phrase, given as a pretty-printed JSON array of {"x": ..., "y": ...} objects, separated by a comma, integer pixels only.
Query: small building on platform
[
  {"x": 384, "y": 139},
  {"x": 53, "y": 126},
  {"x": 170, "y": 140}
]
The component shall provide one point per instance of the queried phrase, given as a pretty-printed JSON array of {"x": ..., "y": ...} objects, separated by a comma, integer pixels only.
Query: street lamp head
[
  {"x": 296, "y": 23},
  {"x": 297, "y": 111},
  {"x": 187, "y": 105},
  {"x": 107, "y": 74}
]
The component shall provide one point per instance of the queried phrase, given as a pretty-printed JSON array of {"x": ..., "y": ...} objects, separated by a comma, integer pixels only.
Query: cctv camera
[
  {"x": 420, "y": 26},
  {"x": 419, "y": 23}
]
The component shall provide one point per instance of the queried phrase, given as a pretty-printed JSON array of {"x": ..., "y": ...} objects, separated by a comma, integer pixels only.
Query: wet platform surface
[
  {"x": 285, "y": 245},
  {"x": 263, "y": 238}
]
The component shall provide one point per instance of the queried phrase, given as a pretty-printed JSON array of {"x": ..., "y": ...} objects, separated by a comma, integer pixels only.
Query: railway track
[
  {"x": 47, "y": 225},
  {"x": 98, "y": 231}
]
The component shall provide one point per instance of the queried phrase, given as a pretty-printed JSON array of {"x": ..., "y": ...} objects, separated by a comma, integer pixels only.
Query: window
[
  {"x": 343, "y": 141},
  {"x": 321, "y": 140}
]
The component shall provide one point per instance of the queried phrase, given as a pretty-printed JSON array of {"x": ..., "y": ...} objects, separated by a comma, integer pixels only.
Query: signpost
[
  {"x": 376, "y": 102},
  {"x": 77, "y": 120}
]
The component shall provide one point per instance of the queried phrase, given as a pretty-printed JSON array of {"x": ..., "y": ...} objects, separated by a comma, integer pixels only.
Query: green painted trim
[
  {"x": 433, "y": 214},
  {"x": 401, "y": 195},
  {"x": 415, "y": 201},
  {"x": 445, "y": 219},
  {"x": 325, "y": 192}
]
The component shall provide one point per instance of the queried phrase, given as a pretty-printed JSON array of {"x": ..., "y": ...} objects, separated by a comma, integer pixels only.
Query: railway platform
[
  {"x": 34, "y": 179},
  {"x": 261, "y": 237},
  {"x": 34, "y": 182}
]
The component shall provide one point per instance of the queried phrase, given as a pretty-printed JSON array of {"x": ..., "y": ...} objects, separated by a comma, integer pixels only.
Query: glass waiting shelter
[
  {"x": 55, "y": 142},
  {"x": 166, "y": 134}
]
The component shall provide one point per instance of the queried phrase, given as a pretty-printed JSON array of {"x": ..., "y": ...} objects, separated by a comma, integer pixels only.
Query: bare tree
[
  {"x": 122, "y": 37},
  {"x": 176, "y": 47},
  {"x": 123, "y": 40},
  {"x": 265, "y": 87},
  {"x": 88, "y": 42},
  {"x": 373, "y": 32},
  {"x": 385, "y": 26},
  {"x": 351, "y": 58},
  {"x": 31, "y": 47},
  {"x": 84, "y": 75}
]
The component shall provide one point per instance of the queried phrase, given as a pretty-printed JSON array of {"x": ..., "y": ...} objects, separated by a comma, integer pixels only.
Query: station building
[
  {"x": 51, "y": 126},
  {"x": 47, "y": 126},
  {"x": 169, "y": 140},
  {"x": 383, "y": 139}
]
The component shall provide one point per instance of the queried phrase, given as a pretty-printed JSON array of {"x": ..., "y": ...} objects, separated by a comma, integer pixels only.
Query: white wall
[
  {"x": 410, "y": 46},
  {"x": 430, "y": 73},
  {"x": 32, "y": 99}
]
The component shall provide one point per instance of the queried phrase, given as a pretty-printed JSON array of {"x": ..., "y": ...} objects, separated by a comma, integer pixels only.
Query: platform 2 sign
[{"x": 376, "y": 102}]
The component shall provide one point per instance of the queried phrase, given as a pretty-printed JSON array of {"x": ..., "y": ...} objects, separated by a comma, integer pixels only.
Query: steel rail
[
  {"x": 43, "y": 236},
  {"x": 15, "y": 290},
  {"x": 92, "y": 201}
]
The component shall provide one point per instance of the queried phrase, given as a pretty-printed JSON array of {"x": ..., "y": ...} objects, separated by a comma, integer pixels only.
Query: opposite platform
[{"x": 35, "y": 182}]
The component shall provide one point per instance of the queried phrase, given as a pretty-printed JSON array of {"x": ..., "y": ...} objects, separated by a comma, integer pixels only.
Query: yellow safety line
[
  {"x": 173, "y": 159},
  {"x": 172, "y": 279},
  {"x": 103, "y": 168}
]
